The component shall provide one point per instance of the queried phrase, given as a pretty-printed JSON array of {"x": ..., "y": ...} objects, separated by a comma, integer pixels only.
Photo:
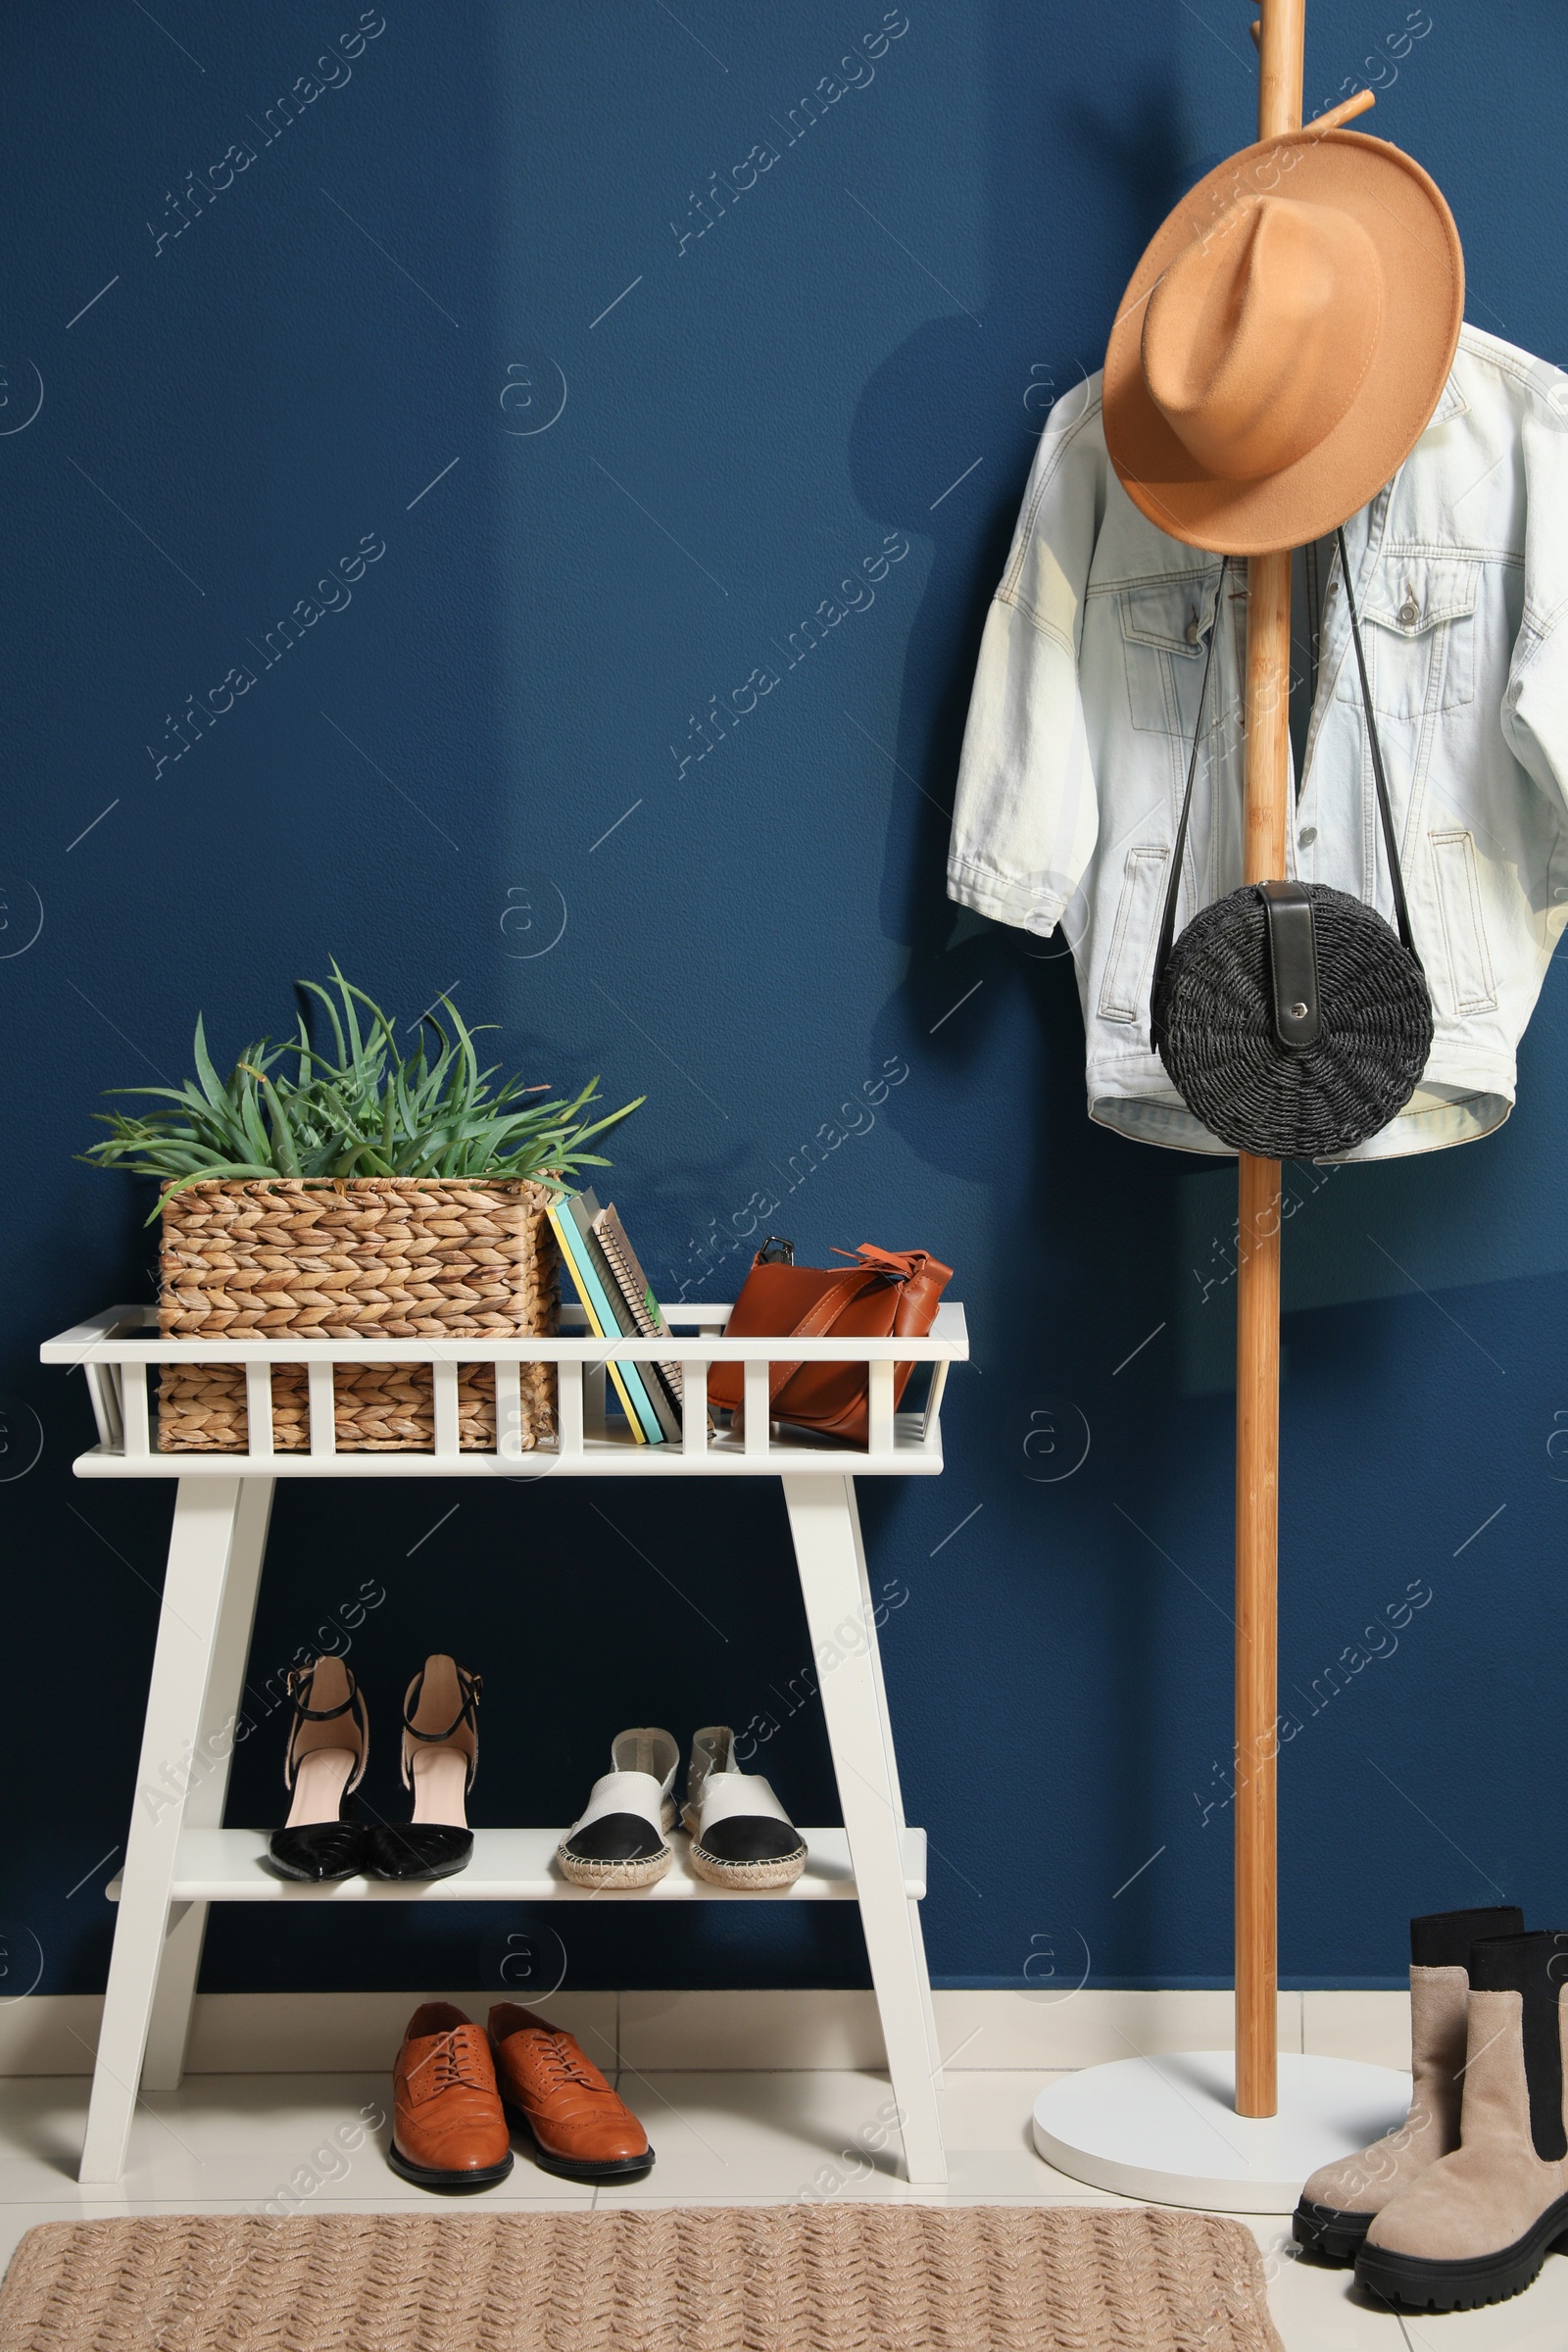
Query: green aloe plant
[{"x": 365, "y": 1108}]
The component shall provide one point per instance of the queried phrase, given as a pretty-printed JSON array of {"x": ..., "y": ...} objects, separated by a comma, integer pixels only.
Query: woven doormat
[{"x": 729, "y": 2278}]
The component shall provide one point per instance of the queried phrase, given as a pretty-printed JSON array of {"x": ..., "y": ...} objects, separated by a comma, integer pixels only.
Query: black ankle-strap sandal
[
  {"x": 437, "y": 1841},
  {"x": 320, "y": 1841},
  {"x": 302, "y": 1679},
  {"x": 470, "y": 1688}
]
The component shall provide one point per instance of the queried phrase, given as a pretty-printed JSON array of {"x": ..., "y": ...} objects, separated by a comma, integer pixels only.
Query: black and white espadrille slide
[{"x": 741, "y": 1834}]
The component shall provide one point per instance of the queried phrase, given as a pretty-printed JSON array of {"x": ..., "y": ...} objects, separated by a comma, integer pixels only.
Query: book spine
[
  {"x": 660, "y": 1419},
  {"x": 598, "y": 1317},
  {"x": 636, "y": 1298}
]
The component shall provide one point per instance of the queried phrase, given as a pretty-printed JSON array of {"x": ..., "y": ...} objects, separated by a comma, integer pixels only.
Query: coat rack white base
[{"x": 1166, "y": 2128}]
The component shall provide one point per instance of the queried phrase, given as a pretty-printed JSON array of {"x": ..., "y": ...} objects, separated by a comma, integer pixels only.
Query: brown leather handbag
[{"x": 891, "y": 1293}]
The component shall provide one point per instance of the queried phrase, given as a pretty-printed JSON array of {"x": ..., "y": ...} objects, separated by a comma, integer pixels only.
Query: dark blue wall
[{"x": 364, "y": 336}]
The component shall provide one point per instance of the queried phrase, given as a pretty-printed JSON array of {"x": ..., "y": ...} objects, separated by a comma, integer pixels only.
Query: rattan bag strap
[
  {"x": 1395, "y": 876},
  {"x": 1167, "y": 928},
  {"x": 1402, "y": 912}
]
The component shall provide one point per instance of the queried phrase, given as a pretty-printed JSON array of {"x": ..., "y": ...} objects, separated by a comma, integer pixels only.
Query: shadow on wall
[
  {"x": 1104, "y": 1238},
  {"x": 990, "y": 378}
]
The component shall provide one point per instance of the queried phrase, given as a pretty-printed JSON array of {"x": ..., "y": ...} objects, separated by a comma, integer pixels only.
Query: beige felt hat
[{"x": 1284, "y": 342}]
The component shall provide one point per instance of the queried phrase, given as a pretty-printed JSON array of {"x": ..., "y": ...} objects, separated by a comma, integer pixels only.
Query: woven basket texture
[
  {"x": 369, "y": 1257},
  {"x": 1213, "y": 1025},
  {"x": 830, "y": 2278}
]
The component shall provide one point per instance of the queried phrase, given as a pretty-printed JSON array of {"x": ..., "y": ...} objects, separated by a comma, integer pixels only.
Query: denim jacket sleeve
[
  {"x": 1535, "y": 708},
  {"x": 1026, "y": 820}
]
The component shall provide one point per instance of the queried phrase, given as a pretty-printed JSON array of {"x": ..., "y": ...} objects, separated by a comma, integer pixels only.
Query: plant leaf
[{"x": 365, "y": 1108}]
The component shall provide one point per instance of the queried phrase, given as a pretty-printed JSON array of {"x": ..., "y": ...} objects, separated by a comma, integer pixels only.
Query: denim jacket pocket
[
  {"x": 1418, "y": 630},
  {"x": 1464, "y": 929},
  {"x": 1164, "y": 627},
  {"x": 1129, "y": 965}
]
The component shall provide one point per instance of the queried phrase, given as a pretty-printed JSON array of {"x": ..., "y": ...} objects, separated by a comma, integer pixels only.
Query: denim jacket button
[
  {"x": 1409, "y": 613},
  {"x": 1307, "y": 836}
]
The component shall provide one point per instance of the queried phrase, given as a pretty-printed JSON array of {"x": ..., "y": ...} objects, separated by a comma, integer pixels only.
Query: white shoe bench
[{"x": 179, "y": 1857}]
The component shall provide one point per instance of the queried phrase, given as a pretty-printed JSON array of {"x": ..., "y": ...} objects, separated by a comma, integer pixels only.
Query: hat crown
[
  {"x": 1265, "y": 419},
  {"x": 1259, "y": 336}
]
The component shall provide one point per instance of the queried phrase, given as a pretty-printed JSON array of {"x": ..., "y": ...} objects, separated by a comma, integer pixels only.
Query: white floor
[{"x": 311, "y": 2143}]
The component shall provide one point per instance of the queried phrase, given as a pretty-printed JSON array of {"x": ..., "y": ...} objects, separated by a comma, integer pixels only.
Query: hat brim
[{"x": 1404, "y": 212}]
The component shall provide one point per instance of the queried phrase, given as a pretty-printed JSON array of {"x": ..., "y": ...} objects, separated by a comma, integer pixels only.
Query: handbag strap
[
  {"x": 1167, "y": 928},
  {"x": 824, "y": 1312},
  {"x": 1395, "y": 876}
]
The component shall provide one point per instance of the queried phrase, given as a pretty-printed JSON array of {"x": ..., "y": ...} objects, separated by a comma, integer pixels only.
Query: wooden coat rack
[
  {"x": 1280, "y": 44},
  {"x": 1170, "y": 2128},
  {"x": 1280, "y": 33}
]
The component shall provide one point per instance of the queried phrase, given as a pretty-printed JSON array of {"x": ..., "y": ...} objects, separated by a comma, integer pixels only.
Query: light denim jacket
[{"x": 1086, "y": 698}]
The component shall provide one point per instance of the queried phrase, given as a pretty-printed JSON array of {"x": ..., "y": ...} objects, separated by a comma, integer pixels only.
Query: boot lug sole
[
  {"x": 1424, "y": 2284},
  {"x": 1330, "y": 2234}
]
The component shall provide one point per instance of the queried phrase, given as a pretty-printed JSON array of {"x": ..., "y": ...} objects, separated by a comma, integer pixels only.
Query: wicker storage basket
[{"x": 368, "y": 1258}]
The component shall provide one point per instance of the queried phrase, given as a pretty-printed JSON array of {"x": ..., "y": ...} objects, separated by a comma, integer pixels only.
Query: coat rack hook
[{"x": 1338, "y": 116}]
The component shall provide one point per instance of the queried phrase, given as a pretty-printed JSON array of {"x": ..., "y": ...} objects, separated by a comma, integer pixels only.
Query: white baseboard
[{"x": 318, "y": 2033}]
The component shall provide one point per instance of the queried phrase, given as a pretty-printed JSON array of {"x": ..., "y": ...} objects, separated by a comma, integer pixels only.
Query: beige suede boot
[
  {"x": 1341, "y": 2200},
  {"x": 1477, "y": 2226}
]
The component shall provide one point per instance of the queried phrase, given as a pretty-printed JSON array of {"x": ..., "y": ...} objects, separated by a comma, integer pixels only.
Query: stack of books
[{"x": 618, "y": 1302}]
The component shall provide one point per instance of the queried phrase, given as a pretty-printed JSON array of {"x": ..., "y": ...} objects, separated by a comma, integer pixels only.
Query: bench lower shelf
[
  {"x": 509, "y": 1866},
  {"x": 179, "y": 1861}
]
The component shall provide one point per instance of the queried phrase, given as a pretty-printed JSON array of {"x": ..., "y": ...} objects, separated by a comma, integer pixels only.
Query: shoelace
[
  {"x": 457, "y": 2059},
  {"x": 565, "y": 2063}
]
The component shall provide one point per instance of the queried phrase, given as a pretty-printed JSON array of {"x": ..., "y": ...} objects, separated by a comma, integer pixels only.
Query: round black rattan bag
[
  {"x": 1294, "y": 1020},
  {"x": 1214, "y": 1027}
]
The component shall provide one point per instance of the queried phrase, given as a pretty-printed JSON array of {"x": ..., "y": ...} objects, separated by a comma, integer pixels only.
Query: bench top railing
[{"x": 119, "y": 1348}]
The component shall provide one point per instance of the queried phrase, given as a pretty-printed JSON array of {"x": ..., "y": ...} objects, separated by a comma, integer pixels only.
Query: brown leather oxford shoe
[
  {"x": 449, "y": 2128},
  {"x": 580, "y": 2126}
]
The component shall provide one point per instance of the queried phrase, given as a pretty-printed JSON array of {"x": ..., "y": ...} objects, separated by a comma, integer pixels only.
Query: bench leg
[
  {"x": 868, "y": 1607},
  {"x": 170, "y": 2030},
  {"x": 829, "y": 1554},
  {"x": 205, "y": 1515}
]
